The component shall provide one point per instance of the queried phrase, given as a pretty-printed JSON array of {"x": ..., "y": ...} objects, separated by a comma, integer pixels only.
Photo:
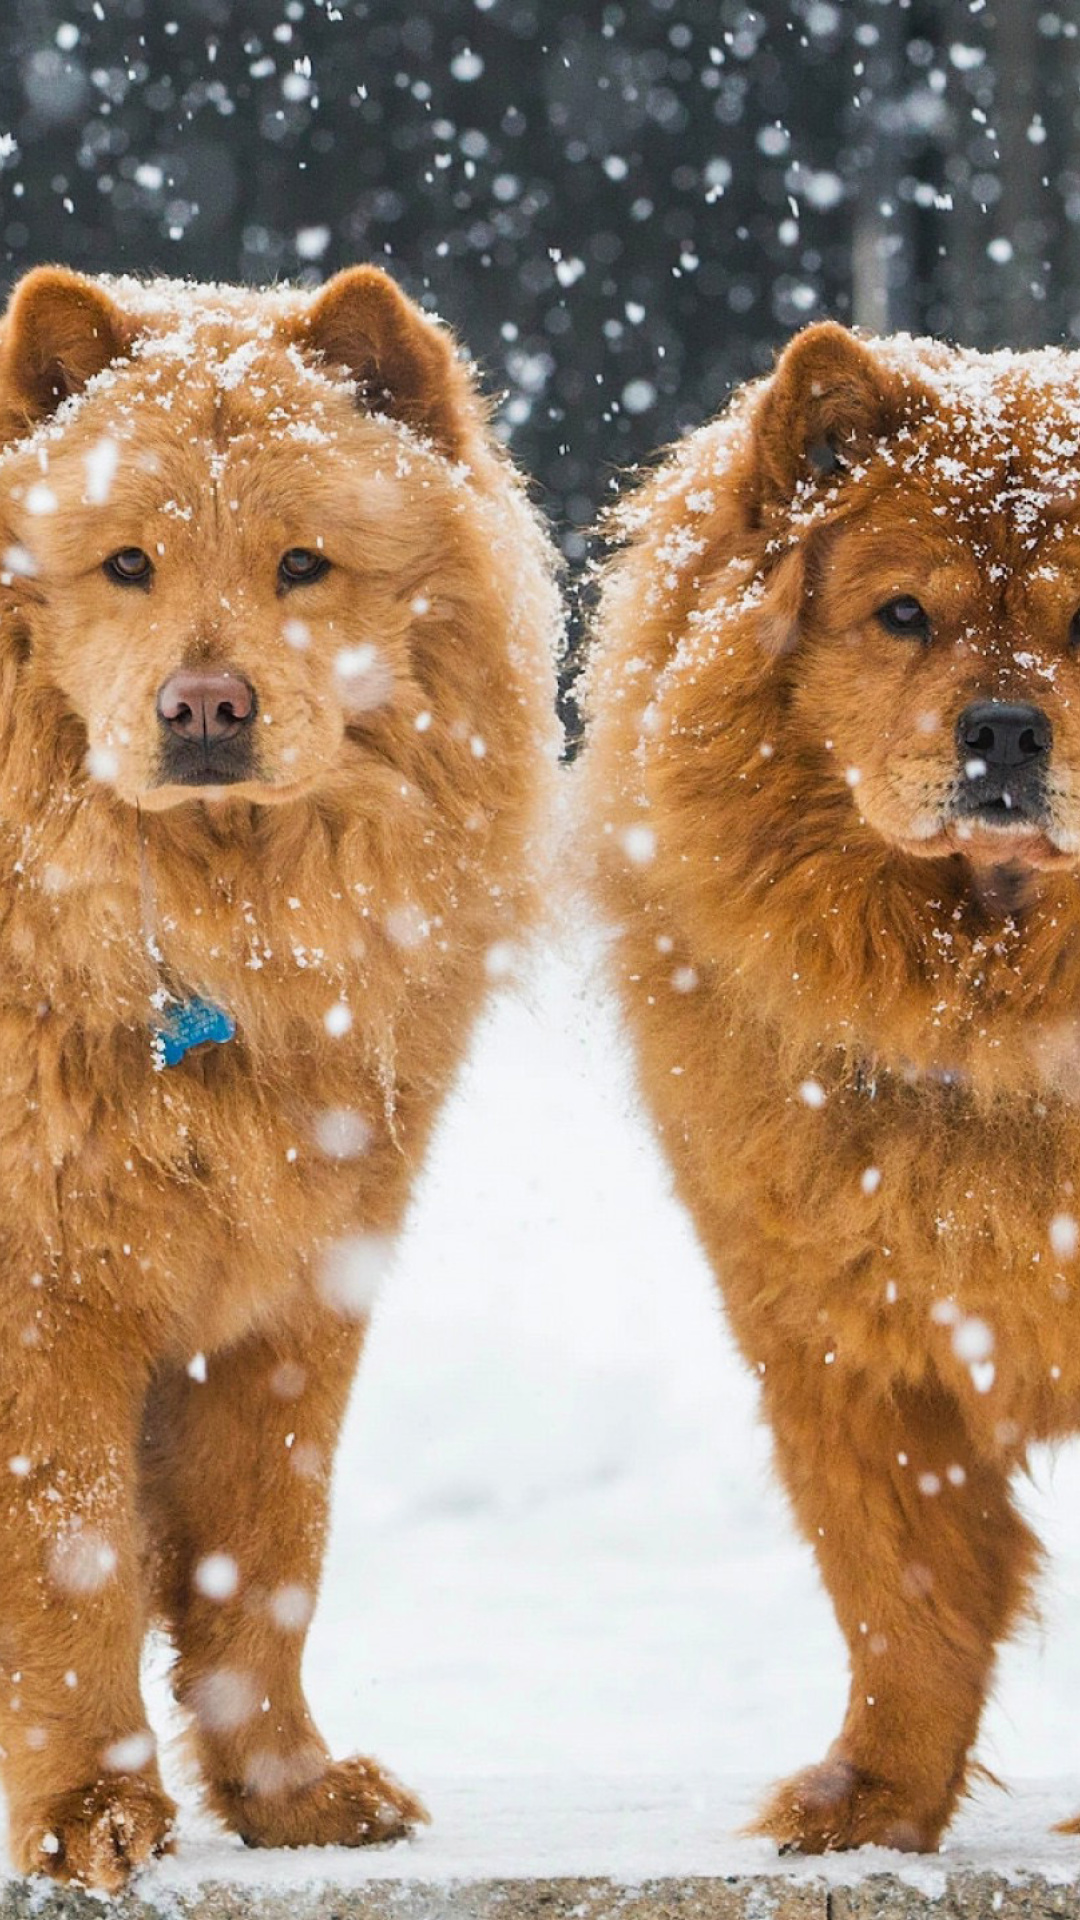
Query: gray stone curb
[{"x": 963, "y": 1895}]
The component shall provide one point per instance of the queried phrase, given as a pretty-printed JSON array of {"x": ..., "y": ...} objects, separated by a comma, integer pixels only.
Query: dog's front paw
[
  {"x": 350, "y": 1803},
  {"x": 834, "y": 1806},
  {"x": 97, "y": 1835}
]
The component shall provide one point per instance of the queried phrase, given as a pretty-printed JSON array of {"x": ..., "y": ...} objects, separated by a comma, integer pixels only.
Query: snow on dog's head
[{"x": 231, "y": 526}]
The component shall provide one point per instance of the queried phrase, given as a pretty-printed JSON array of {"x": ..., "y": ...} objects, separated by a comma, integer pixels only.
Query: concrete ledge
[
  {"x": 580, "y": 1848},
  {"x": 962, "y": 1895}
]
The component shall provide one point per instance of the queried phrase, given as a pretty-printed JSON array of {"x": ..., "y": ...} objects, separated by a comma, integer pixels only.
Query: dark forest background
[{"x": 623, "y": 208}]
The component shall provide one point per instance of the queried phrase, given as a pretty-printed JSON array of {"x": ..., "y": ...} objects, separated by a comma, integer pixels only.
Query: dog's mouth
[
  {"x": 998, "y": 836},
  {"x": 216, "y": 786},
  {"x": 1010, "y": 809},
  {"x": 993, "y": 841},
  {"x": 1003, "y": 810},
  {"x": 204, "y": 777},
  {"x": 1001, "y": 814},
  {"x": 206, "y": 763},
  {"x": 1000, "y": 827}
]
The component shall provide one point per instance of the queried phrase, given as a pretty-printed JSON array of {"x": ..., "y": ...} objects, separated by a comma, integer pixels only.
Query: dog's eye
[
  {"x": 905, "y": 615},
  {"x": 300, "y": 566},
  {"x": 1074, "y": 630},
  {"x": 131, "y": 567}
]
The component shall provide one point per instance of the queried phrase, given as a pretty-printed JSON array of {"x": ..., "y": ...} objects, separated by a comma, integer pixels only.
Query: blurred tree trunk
[
  {"x": 883, "y": 297},
  {"x": 1021, "y": 317}
]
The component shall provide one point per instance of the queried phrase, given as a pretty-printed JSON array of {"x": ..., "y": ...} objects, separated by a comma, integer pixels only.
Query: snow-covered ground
[{"x": 564, "y": 1600}]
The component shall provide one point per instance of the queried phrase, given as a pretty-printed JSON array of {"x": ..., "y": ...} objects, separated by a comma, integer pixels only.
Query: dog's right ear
[
  {"x": 829, "y": 399},
  {"x": 60, "y": 329}
]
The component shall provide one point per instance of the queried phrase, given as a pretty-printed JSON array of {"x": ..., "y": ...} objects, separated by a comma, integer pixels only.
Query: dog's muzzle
[{"x": 206, "y": 720}]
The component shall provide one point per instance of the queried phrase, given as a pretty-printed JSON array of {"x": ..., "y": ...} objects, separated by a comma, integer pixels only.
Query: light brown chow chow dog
[
  {"x": 834, "y": 786},
  {"x": 275, "y": 750}
]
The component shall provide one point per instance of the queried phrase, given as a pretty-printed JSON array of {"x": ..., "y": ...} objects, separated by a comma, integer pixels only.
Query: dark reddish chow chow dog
[
  {"x": 275, "y": 752},
  {"x": 834, "y": 795}
]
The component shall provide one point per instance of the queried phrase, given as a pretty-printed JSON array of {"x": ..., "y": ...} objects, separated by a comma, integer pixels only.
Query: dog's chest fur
[{"x": 234, "y": 1170}]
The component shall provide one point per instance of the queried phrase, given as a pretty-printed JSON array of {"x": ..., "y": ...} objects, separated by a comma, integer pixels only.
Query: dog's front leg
[
  {"x": 928, "y": 1565},
  {"x": 85, "y": 1800},
  {"x": 237, "y": 1474}
]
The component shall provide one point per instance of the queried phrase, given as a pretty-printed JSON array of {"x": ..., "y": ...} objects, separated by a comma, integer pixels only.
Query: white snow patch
[
  {"x": 341, "y": 1133},
  {"x": 217, "y": 1576},
  {"x": 18, "y": 562},
  {"x": 353, "y": 1271},
  {"x": 972, "y": 1339},
  {"x": 81, "y": 1561},
  {"x": 639, "y": 845},
  {"x": 40, "y": 498},
  {"x": 100, "y": 465},
  {"x": 467, "y": 65},
  {"x": 1064, "y": 1235},
  {"x": 130, "y": 1754},
  {"x": 311, "y": 242},
  {"x": 638, "y": 396},
  {"x": 102, "y": 763},
  {"x": 365, "y": 676}
]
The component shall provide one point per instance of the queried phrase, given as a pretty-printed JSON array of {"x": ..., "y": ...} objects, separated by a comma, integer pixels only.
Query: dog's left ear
[
  {"x": 404, "y": 365},
  {"x": 828, "y": 400},
  {"x": 60, "y": 329}
]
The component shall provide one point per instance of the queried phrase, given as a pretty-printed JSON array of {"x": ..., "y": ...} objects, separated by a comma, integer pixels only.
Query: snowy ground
[{"x": 564, "y": 1600}]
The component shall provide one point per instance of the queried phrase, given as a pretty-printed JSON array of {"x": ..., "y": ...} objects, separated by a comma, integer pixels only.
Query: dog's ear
[
  {"x": 60, "y": 329},
  {"x": 404, "y": 365},
  {"x": 829, "y": 399}
]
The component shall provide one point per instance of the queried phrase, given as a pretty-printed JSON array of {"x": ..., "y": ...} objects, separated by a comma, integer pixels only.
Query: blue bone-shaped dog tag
[{"x": 189, "y": 1024}]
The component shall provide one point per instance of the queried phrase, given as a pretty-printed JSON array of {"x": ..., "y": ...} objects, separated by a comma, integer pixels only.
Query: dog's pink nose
[{"x": 207, "y": 705}]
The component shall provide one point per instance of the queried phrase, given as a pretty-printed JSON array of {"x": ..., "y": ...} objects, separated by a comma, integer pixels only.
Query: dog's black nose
[{"x": 1003, "y": 736}]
